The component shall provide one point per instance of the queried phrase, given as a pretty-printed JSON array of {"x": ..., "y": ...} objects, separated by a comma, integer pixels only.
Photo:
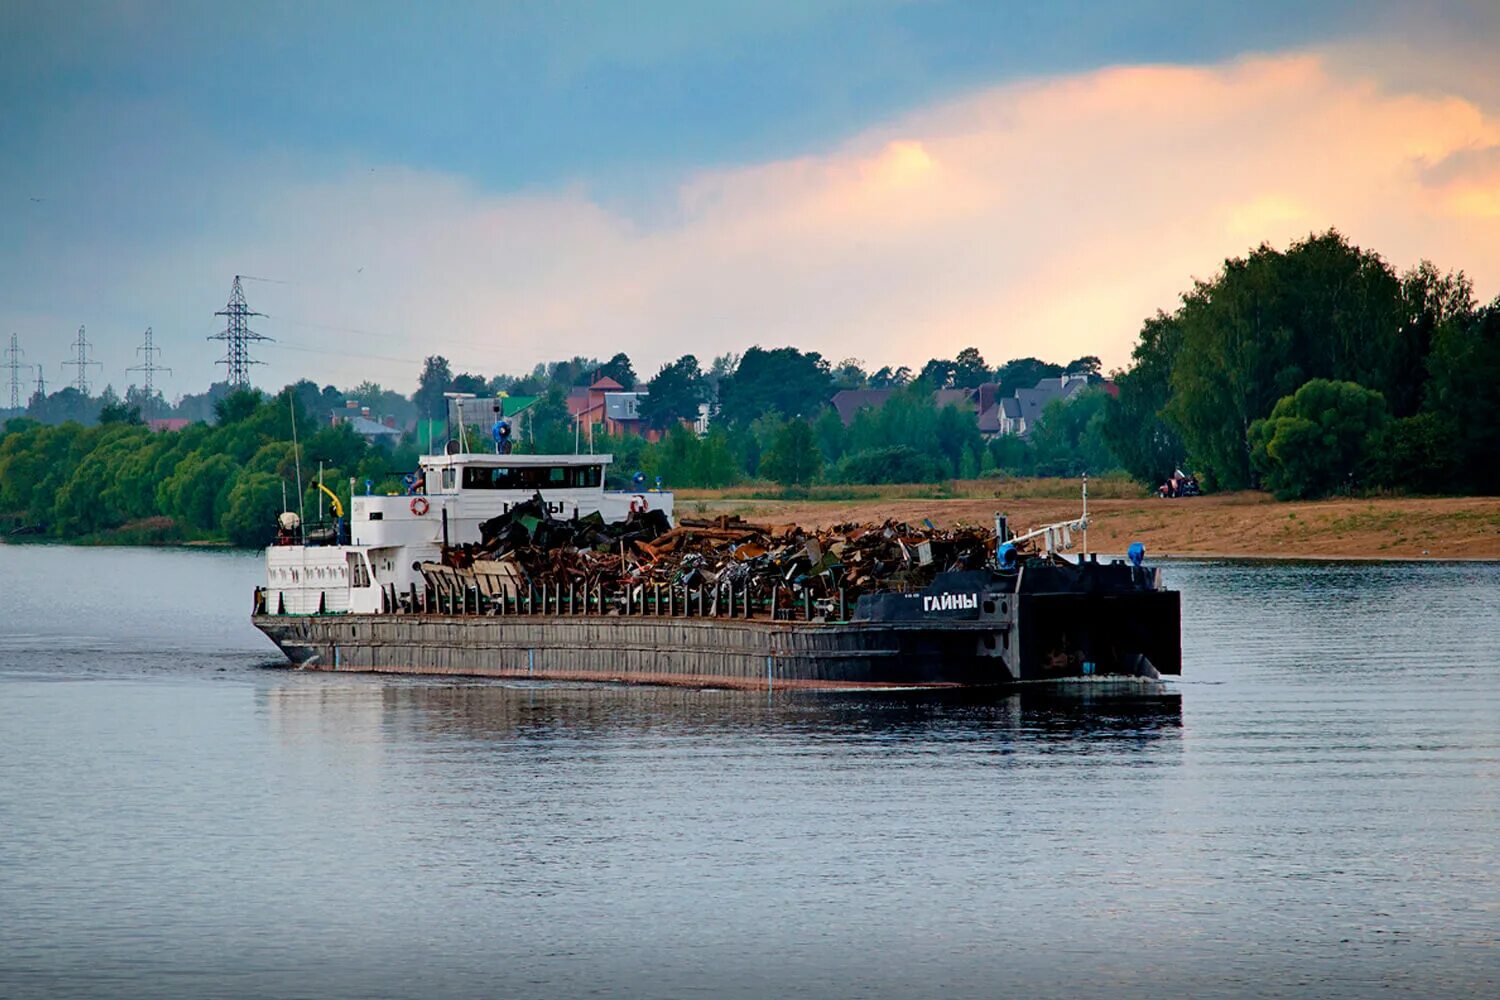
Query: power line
[
  {"x": 14, "y": 354},
  {"x": 344, "y": 353},
  {"x": 239, "y": 337},
  {"x": 150, "y": 367},
  {"x": 82, "y": 362},
  {"x": 405, "y": 338}
]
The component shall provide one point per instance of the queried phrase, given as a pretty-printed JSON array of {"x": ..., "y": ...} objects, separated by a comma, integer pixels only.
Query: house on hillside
[
  {"x": 848, "y": 402},
  {"x": 1018, "y": 414},
  {"x": 606, "y": 407},
  {"x": 360, "y": 422},
  {"x": 586, "y": 402}
]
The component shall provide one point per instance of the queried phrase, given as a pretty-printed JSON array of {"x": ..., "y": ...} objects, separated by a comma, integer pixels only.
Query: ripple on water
[{"x": 1311, "y": 813}]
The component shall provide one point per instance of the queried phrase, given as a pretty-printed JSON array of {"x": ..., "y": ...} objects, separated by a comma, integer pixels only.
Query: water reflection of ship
[{"x": 493, "y": 711}]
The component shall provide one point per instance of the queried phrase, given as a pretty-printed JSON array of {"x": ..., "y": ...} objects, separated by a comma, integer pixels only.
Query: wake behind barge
[{"x": 386, "y": 602}]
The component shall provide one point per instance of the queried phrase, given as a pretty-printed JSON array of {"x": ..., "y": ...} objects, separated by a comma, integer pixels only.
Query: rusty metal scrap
[{"x": 776, "y": 565}]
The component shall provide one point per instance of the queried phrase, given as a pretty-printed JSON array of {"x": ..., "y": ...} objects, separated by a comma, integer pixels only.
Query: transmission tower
[
  {"x": 82, "y": 362},
  {"x": 13, "y": 362},
  {"x": 239, "y": 336},
  {"x": 150, "y": 367},
  {"x": 41, "y": 384}
]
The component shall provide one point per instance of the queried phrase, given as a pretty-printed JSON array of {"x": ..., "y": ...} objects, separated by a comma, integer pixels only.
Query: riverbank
[
  {"x": 1243, "y": 525},
  {"x": 1239, "y": 525}
]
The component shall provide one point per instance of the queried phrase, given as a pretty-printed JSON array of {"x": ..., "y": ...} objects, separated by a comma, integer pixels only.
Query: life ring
[
  {"x": 638, "y": 504},
  {"x": 419, "y": 506}
]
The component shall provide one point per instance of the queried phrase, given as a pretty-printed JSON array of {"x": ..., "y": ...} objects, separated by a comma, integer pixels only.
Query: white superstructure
[{"x": 388, "y": 535}]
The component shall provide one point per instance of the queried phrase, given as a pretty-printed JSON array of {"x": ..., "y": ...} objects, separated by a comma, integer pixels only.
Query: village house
[
  {"x": 607, "y": 407},
  {"x": 360, "y": 422},
  {"x": 1017, "y": 414}
]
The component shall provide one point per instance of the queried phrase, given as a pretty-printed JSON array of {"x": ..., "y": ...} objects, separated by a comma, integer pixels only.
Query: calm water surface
[{"x": 1316, "y": 814}]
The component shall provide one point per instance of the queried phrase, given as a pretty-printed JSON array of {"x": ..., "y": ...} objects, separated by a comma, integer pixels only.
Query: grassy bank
[
  {"x": 1245, "y": 524},
  {"x": 162, "y": 531},
  {"x": 1116, "y": 487}
]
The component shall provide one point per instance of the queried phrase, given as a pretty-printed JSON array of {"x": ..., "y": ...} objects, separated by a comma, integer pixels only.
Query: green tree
[
  {"x": 938, "y": 373},
  {"x": 1419, "y": 452},
  {"x": 1319, "y": 439},
  {"x": 64, "y": 405},
  {"x": 831, "y": 434},
  {"x": 240, "y": 404},
  {"x": 1464, "y": 390},
  {"x": 619, "y": 369},
  {"x": 1012, "y": 455},
  {"x": 1136, "y": 428},
  {"x": 1069, "y": 439},
  {"x": 197, "y": 492},
  {"x": 1024, "y": 373},
  {"x": 899, "y": 463},
  {"x": 674, "y": 394},
  {"x": 850, "y": 374},
  {"x": 253, "y": 505},
  {"x": 1323, "y": 309},
  {"x": 891, "y": 378},
  {"x": 786, "y": 380},
  {"x": 436, "y": 379},
  {"x": 717, "y": 466},
  {"x": 468, "y": 382},
  {"x": 970, "y": 370},
  {"x": 116, "y": 411},
  {"x": 1431, "y": 301},
  {"x": 794, "y": 459},
  {"x": 1088, "y": 365}
]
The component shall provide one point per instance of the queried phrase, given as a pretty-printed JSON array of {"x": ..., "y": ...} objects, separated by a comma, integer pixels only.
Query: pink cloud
[{"x": 1044, "y": 218}]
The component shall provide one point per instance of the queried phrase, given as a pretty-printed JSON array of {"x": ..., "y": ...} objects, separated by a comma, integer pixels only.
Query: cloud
[{"x": 1043, "y": 218}]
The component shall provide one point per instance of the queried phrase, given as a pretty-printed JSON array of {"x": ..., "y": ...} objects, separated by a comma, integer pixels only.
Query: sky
[{"x": 509, "y": 183}]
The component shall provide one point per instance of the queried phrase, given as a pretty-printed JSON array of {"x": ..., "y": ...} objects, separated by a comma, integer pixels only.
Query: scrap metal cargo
[{"x": 484, "y": 568}]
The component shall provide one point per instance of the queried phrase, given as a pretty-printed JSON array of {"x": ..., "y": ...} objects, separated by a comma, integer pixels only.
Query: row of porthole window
[{"x": 315, "y": 573}]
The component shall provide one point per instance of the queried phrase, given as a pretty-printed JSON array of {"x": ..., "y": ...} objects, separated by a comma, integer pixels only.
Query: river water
[{"x": 1315, "y": 812}]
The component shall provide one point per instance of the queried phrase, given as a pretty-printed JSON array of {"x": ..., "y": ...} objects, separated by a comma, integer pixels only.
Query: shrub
[
  {"x": 895, "y": 464},
  {"x": 1318, "y": 439}
]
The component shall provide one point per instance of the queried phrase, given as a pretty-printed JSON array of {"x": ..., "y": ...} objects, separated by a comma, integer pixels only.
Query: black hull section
[{"x": 1046, "y": 637}]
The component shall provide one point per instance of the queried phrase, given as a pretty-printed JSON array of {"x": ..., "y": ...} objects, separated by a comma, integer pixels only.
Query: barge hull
[{"x": 707, "y": 652}]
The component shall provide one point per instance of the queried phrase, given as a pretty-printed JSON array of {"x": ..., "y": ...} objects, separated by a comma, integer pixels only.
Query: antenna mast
[
  {"x": 82, "y": 363},
  {"x": 239, "y": 337},
  {"x": 14, "y": 354},
  {"x": 150, "y": 367}
]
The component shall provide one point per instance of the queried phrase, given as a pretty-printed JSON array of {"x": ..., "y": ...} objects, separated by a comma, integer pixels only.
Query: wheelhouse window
[
  {"x": 359, "y": 574},
  {"x": 532, "y": 477}
]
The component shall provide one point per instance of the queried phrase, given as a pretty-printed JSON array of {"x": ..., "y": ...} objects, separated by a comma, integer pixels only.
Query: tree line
[
  {"x": 1308, "y": 371},
  {"x": 226, "y": 480},
  {"x": 1315, "y": 370},
  {"x": 228, "y": 476}
]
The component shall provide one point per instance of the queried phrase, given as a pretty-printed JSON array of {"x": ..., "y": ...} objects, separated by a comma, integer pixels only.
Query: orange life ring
[
  {"x": 419, "y": 506},
  {"x": 638, "y": 504}
]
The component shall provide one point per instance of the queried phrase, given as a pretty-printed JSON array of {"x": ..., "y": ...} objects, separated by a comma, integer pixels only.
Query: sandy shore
[{"x": 1246, "y": 525}]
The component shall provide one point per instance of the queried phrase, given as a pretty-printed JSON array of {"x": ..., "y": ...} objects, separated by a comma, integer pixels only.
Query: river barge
[{"x": 375, "y": 594}]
